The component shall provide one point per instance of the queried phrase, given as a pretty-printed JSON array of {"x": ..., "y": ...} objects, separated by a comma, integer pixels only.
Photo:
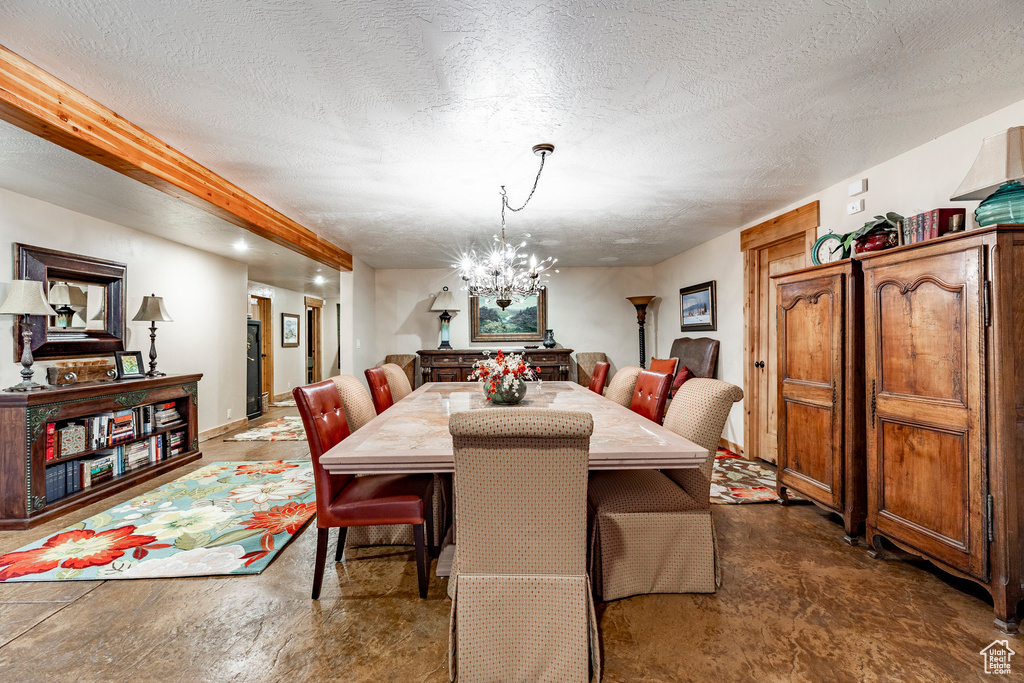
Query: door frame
[
  {"x": 265, "y": 314},
  {"x": 802, "y": 220},
  {"x": 315, "y": 336}
]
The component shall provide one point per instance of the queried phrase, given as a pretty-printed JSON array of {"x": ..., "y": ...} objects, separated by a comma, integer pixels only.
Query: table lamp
[
  {"x": 995, "y": 177},
  {"x": 153, "y": 311},
  {"x": 445, "y": 301},
  {"x": 25, "y": 298},
  {"x": 641, "y": 303},
  {"x": 60, "y": 299}
]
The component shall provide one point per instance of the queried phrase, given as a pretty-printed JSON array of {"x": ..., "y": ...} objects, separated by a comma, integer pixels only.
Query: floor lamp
[{"x": 641, "y": 303}]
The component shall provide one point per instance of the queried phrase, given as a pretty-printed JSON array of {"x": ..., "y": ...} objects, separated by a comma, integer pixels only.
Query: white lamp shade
[
  {"x": 1001, "y": 160},
  {"x": 152, "y": 310},
  {"x": 60, "y": 294},
  {"x": 79, "y": 297},
  {"x": 25, "y": 297},
  {"x": 445, "y": 301}
]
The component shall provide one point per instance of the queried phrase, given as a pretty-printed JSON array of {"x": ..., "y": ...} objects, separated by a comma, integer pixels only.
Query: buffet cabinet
[
  {"x": 456, "y": 365},
  {"x": 820, "y": 390},
  {"x": 944, "y": 406},
  {"x": 29, "y": 422}
]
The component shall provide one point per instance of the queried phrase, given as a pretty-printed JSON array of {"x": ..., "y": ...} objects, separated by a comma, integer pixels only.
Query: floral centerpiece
[{"x": 503, "y": 377}]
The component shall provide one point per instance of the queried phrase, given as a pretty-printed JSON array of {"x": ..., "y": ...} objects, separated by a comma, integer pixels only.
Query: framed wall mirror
[{"x": 88, "y": 295}]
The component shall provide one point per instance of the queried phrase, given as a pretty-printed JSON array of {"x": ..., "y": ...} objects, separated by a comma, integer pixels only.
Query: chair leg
[
  {"x": 428, "y": 520},
  {"x": 321, "y": 560},
  {"x": 422, "y": 559},
  {"x": 342, "y": 533}
]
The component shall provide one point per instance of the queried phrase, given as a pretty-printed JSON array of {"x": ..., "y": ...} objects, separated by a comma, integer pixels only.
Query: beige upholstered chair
[
  {"x": 356, "y": 399},
  {"x": 405, "y": 361},
  {"x": 397, "y": 380},
  {"x": 521, "y": 599},
  {"x": 621, "y": 388},
  {"x": 652, "y": 531},
  {"x": 585, "y": 362}
]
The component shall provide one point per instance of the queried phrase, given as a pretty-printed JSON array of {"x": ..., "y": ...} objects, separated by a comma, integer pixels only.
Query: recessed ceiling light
[
  {"x": 240, "y": 245},
  {"x": 319, "y": 279}
]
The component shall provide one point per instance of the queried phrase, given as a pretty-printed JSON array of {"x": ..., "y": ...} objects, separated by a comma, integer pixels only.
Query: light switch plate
[
  {"x": 855, "y": 207},
  {"x": 857, "y": 187}
]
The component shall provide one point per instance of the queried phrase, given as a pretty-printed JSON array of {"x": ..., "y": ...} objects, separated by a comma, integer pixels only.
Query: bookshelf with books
[{"x": 70, "y": 446}]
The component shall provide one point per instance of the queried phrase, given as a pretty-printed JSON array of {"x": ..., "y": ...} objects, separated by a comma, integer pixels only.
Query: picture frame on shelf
[
  {"x": 129, "y": 364},
  {"x": 698, "y": 308},
  {"x": 289, "y": 330},
  {"x": 522, "y": 321}
]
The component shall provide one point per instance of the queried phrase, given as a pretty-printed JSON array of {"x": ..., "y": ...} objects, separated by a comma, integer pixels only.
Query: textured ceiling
[{"x": 389, "y": 125}]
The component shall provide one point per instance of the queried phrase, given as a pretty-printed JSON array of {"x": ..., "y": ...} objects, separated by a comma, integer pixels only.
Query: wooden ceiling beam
[{"x": 42, "y": 104}]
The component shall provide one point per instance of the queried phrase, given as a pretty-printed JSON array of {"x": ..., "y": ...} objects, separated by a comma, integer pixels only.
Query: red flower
[
  {"x": 76, "y": 549},
  {"x": 288, "y": 518},
  {"x": 272, "y": 467}
]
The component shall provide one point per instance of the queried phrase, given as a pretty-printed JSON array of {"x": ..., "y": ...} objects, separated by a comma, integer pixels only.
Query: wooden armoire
[
  {"x": 821, "y": 389},
  {"x": 944, "y": 406}
]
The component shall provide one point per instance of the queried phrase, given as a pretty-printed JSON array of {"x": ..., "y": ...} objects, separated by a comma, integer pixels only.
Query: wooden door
[
  {"x": 314, "y": 339},
  {"x": 774, "y": 260},
  {"x": 263, "y": 314},
  {"x": 253, "y": 370},
  {"x": 926, "y": 391},
  {"x": 811, "y": 390}
]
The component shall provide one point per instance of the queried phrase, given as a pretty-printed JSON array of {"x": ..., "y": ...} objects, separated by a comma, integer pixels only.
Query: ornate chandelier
[{"x": 505, "y": 274}]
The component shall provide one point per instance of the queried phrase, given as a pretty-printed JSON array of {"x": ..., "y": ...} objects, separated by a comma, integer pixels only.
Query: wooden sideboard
[
  {"x": 944, "y": 406},
  {"x": 23, "y": 440},
  {"x": 821, "y": 389},
  {"x": 456, "y": 365}
]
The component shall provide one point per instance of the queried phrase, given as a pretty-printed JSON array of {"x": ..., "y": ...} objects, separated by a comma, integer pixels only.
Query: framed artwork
[
  {"x": 289, "y": 330},
  {"x": 523, "y": 321},
  {"x": 697, "y": 308},
  {"x": 129, "y": 364}
]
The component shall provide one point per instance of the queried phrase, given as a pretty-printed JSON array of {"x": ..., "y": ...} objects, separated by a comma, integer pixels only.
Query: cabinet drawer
[
  {"x": 446, "y": 375},
  {"x": 545, "y": 358}
]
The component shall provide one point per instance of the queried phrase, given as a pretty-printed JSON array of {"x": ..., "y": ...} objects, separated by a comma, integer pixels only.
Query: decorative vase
[
  {"x": 549, "y": 339},
  {"x": 510, "y": 397},
  {"x": 875, "y": 242}
]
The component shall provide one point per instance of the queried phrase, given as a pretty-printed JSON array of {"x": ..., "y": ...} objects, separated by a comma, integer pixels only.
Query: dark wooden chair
[
  {"x": 600, "y": 376},
  {"x": 344, "y": 500},
  {"x": 650, "y": 395},
  {"x": 700, "y": 355},
  {"x": 380, "y": 389}
]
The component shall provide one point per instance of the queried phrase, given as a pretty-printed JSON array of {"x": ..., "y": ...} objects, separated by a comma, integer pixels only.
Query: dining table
[{"x": 412, "y": 435}]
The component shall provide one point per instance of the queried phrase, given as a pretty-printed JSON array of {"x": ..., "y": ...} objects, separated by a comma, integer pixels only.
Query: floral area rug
[
  {"x": 738, "y": 481},
  {"x": 225, "y": 518},
  {"x": 286, "y": 429},
  {"x": 284, "y": 403}
]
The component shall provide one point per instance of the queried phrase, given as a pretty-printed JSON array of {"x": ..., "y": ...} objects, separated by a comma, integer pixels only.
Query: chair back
[
  {"x": 380, "y": 390},
  {"x": 650, "y": 394},
  {"x": 620, "y": 389},
  {"x": 521, "y": 490},
  {"x": 356, "y": 400},
  {"x": 699, "y": 412},
  {"x": 585, "y": 362},
  {"x": 407, "y": 363},
  {"x": 599, "y": 378},
  {"x": 397, "y": 380},
  {"x": 323, "y": 417},
  {"x": 665, "y": 365},
  {"x": 700, "y": 355}
]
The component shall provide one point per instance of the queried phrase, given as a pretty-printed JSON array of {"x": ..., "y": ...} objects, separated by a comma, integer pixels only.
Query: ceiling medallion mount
[{"x": 504, "y": 274}]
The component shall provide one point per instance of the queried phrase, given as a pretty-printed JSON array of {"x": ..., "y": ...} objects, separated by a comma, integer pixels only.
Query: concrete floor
[{"x": 796, "y": 604}]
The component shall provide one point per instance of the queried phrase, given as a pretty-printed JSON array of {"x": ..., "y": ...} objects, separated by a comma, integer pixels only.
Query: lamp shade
[
  {"x": 25, "y": 297},
  {"x": 445, "y": 301},
  {"x": 152, "y": 310},
  {"x": 1001, "y": 160},
  {"x": 60, "y": 294},
  {"x": 77, "y": 296}
]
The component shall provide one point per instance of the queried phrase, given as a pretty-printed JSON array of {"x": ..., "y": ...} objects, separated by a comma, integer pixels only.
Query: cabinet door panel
[
  {"x": 925, "y": 382},
  {"x": 810, "y": 324}
]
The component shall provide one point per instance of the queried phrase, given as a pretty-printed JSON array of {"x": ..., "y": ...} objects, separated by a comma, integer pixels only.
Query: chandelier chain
[{"x": 504, "y": 196}]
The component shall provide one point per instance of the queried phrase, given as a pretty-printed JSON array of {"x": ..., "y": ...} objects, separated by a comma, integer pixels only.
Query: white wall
[
  {"x": 918, "y": 180},
  {"x": 331, "y": 355},
  {"x": 587, "y": 309},
  {"x": 204, "y": 293},
  {"x": 358, "y": 319}
]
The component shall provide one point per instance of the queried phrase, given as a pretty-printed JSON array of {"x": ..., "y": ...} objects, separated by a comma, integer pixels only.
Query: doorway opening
[
  {"x": 262, "y": 312},
  {"x": 314, "y": 340}
]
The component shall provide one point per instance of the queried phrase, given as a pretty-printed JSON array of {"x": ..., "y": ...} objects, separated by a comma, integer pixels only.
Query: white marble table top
[{"x": 412, "y": 436}]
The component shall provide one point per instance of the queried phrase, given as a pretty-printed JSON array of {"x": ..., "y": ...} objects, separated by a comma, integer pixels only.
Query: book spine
[
  {"x": 927, "y": 230},
  {"x": 51, "y": 429}
]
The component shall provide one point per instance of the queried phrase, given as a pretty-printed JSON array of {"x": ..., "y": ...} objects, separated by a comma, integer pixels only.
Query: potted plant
[
  {"x": 503, "y": 377},
  {"x": 879, "y": 233}
]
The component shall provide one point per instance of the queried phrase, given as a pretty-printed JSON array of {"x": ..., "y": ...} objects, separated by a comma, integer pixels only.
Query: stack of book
[
  {"x": 62, "y": 479},
  {"x": 177, "y": 442},
  {"x": 96, "y": 469},
  {"x": 930, "y": 224},
  {"x": 167, "y": 414}
]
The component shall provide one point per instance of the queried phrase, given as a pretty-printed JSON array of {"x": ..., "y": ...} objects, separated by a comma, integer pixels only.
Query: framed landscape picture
[
  {"x": 697, "y": 308},
  {"x": 523, "y": 321},
  {"x": 289, "y": 330}
]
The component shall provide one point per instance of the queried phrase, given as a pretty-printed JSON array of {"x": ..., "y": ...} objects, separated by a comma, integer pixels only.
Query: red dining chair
[
  {"x": 344, "y": 500},
  {"x": 650, "y": 395},
  {"x": 380, "y": 390},
  {"x": 666, "y": 365},
  {"x": 599, "y": 377}
]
